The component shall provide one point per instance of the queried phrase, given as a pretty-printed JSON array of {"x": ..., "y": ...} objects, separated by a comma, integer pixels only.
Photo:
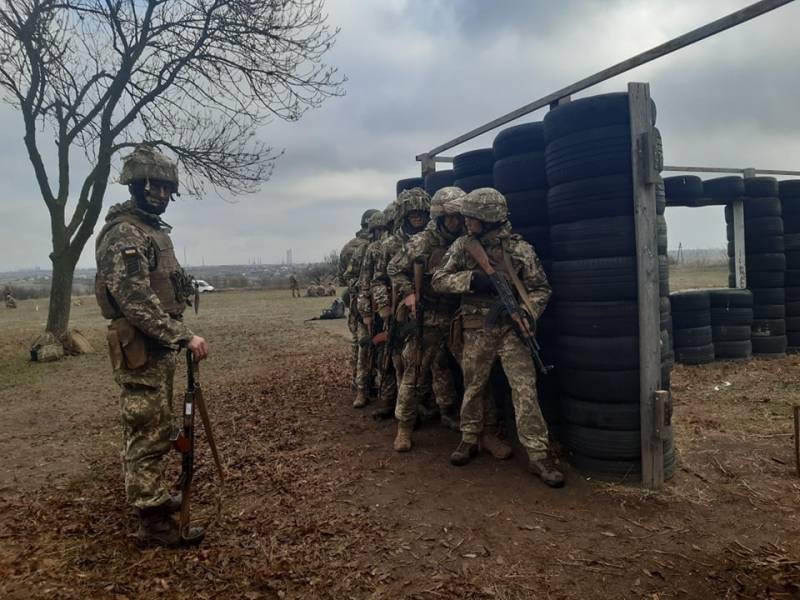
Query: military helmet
[
  {"x": 440, "y": 199},
  {"x": 455, "y": 206},
  {"x": 410, "y": 200},
  {"x": 365, "y": 217},
  {"x": 145, "y": 162},
  {"x": 378, "y": 219},
  {"x": 485, "y": 204},
  {"x": 390, "y": 212}
]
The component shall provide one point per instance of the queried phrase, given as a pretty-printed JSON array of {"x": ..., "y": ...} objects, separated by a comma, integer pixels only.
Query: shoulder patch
[{"x": 131, "y": 259}]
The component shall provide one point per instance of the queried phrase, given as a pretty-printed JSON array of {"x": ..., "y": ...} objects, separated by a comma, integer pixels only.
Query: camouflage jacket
[
  {"x": 127, "y": 255},
  {"x": 372, "y": 256},
  {"x": 430, "y": 244},
  {"x": 454, "y": 275},
  {"x": 350, "y": 259},
  {"x": 390, "y": 247}
]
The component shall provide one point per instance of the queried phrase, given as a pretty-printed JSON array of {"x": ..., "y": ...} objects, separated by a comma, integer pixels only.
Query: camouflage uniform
[
  {"x": 482, "y": 345},
  {"x": 430, "y": 246},
  {"x": 294, "y": 286},
  {"x": 141, "y": 287}
]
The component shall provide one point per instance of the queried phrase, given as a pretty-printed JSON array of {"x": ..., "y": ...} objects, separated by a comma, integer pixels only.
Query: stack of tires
[
  {"x": 407, "y": 184},
  {"x": 765, "y": 262},
  {"x": 722, "y": 190},
  {"x": 731, "y": 322},
  {"x": 789, "y": 192},
  {"x": 691, "y": 323},
  {"x": 683, "y": 190},
  {"x": 439, "y": 179},
  {"x": 474, "y": 169},
  {"x": 594, "y": 279}
]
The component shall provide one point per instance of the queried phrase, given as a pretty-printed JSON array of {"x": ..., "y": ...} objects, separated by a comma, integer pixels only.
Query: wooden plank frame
[{"x": 645, "y": 176}]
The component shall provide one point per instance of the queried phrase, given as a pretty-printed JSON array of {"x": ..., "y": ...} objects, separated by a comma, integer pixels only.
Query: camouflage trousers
[
  {"x": 146, "y": 409},
  {"x": 481, "y": 348},
  {"x": 362, "y": 358},
  {"x": 353, "y": 323},
  {"x": 433, "y": 372}
]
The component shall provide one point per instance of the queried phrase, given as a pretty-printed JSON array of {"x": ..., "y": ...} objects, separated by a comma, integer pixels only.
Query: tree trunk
[{"x": 60, "y": 294}]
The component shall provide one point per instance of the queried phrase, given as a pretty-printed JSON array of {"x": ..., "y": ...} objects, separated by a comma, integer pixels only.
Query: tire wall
[{"x": 789, "y": 195}]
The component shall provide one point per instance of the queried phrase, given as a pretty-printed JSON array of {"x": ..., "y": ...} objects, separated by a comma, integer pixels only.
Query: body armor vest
[{"x": 167, "y": 279}]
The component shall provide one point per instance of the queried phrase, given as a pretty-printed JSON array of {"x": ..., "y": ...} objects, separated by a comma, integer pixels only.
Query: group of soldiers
[{"x": 423, "y": 282}]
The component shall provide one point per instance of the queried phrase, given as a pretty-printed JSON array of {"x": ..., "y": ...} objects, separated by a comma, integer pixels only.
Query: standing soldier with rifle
[
  {"x": 413, "y": 214},
  {"x": 479, "y": 266},
  {"x": 349, "y": 267},
  {"x": 410, "y": 271},
  {"x": 143, "y": 290}
]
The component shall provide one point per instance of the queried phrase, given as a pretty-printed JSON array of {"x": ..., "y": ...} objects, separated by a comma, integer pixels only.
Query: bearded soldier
[
  {"x": 349, "y": 267},
  {"x": 485, "y": 215},
  {"x": 427, "y": 248},
  {"x": 143, "y": 290}
]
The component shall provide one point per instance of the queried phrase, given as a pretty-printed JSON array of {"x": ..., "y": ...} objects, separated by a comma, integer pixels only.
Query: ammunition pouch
[{"x": 127, "y": 346}]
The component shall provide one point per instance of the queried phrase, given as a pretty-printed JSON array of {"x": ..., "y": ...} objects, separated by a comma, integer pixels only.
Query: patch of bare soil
[{"x": 317, "y": 505}]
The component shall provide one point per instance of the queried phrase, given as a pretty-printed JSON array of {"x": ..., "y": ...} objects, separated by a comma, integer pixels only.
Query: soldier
[
  {"x": 485, "y": 214},
  {"x": 10, "y": 300},
  {"x": 143, "y": 290},
  {"x": 428, "y": 248},
  {"x": 349, "y": 267},
  {"x": 413, "y": 214},
  {"x": 294, "y": 286}
]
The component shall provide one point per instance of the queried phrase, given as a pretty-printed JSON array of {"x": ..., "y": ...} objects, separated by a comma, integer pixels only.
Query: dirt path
[{"x": 319, "y": 506}]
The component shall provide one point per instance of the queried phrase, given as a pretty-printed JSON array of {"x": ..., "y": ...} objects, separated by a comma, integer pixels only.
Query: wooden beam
[
  {"x": 428, "y": 165},
  {"x": 696, "y": 35},
  {"x": 644, "y": 207}
]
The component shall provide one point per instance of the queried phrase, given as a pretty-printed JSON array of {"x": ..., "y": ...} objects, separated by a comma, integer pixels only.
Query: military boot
[
  {"x": 495, "y": 446},
  {"x": 450, "y": 419},
  {"x": 157, "y": 527},
  {"x": 402, "y": 441},
  {"x": 547, "y": 471},
  {"x": 463, "y": 454},
  {"x": 361, "y": 399}
]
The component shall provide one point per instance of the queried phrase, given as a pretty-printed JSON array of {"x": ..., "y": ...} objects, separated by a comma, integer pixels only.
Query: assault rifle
[
  {"x": 184, "y": 441},
  {"x": 521, "y": 320}
]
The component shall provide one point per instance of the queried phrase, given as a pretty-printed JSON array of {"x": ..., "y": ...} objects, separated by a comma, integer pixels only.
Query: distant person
[
  {"x": 294, "y": 286},
  {"x": 10, "y": 301},
  {"x": 143, "y": 290}
]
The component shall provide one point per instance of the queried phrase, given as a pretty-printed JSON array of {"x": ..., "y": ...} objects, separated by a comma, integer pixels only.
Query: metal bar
[
  {"x": 696, "y": 35},
  {"x": 644, "y": 207},
  {"x": 443, "y": 159},
  {"x": 727, "y": 170}
]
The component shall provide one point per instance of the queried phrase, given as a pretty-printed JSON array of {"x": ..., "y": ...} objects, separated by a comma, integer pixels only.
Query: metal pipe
[
  {"x": 728, "y": 170},
  {"x": 696, "y": 35}
]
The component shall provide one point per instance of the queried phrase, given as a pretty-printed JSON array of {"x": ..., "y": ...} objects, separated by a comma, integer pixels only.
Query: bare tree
[{"x": 193, "y": 77}]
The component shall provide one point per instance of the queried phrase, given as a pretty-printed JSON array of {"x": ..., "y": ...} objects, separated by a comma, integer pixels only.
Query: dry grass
[{"x": 686, "y": 277}]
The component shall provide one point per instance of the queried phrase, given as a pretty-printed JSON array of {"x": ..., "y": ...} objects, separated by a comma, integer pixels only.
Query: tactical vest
[{"x": 166, "y": 277}]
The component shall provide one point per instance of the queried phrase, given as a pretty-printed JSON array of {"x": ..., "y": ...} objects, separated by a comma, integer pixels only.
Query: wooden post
[
  {"x": 428, "y": 164},
  {"x": 645, "y": 175},
  {"x": 739, "y": 267}
]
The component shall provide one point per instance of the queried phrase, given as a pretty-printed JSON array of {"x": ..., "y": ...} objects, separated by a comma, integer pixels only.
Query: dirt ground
[{"x": 317, "y": 505}]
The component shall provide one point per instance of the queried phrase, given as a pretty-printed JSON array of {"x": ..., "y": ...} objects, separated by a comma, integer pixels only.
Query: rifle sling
[{"x": 201, "y": 407}]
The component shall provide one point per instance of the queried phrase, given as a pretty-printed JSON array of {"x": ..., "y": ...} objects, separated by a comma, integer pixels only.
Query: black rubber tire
[
  {"x": 790, "y": 207},
  {"x": 593, "y": 238},
  {"x": 769, "y": 311},
  {"x": 733, "y": 349},
  {"x": 624, "y": 471},
  {"x": 602, "y": 279},
  {"x": 689, "y": 319},
  {"x": 792, "y": 278},
  {"x": 589, "y": 153},
  {"x": 789, "y": 188},
  {"x": 538, "y": 237},
  {"x": 604, "y": 443},
  {"x": 683, "y": 187},
  {"x": 761, "y": 187},
  {"x": 724, "y": 187},
  {"x": 792, "y": 258},
  {"x": 587, "y": 113},
  {"x": 527, "y": 208},
  {"x": 768, "y": 328},
  {"x": 598, "y": 353},
  {"x": 604, "y": 386},
  {"x": 763, "y": 296},
  {"x": 439, "y": 179},
  {"x": 792, "y": 323},
  {"x": 520, "y": 172},
  {"x": 473, "y": 182},
  {"x": 766, "y": 244},
  {"x": 690, "y": 300},
  {"x": 771, "y": 346},
  {"x": 597, "y": 319},
  {"x": 411, "y": 182},
  {"x": 763, "y": 262},
  {"x": 519, "y": 139},
  {"x": 758, "y": 227},
  {"x": 792, "y": 309},
  {"x": 591, "y": 198},
  {"x": 474, "y": 162},
  {"x": 730, "y": 333},
  {"x": 755, "y": 208},
  {"x": 730, "y": 298},
  {"x": 600, "y": 415},
  {"x": 793, "y": 339},
  {"x": 732, "y": 316},
  {"x": 695, "y": 355},
  {"x": 765, "y": 279},
  {"x": 791, "y": 241},
  {"x": 791, "y": 224},
  {"x": 694, "y": 336}
]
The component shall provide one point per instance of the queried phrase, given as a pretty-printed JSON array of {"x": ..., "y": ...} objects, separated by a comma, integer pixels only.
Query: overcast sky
[{"x": 424, "y": 71}]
